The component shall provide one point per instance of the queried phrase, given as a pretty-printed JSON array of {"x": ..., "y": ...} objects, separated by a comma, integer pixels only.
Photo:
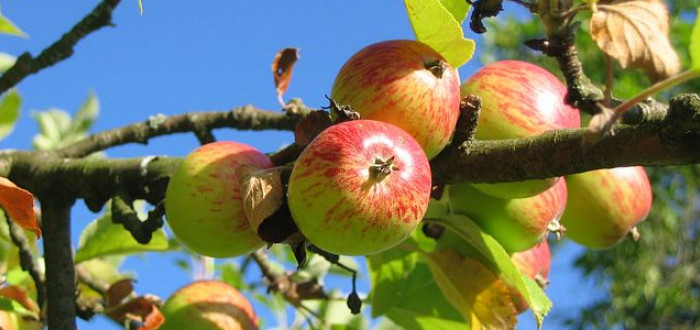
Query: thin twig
[
  {"x": 60, "y": 50},
  {"x": 27, "y": 262}
]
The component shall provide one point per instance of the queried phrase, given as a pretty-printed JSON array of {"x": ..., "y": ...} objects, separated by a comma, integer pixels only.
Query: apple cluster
[{"x": 363, "y": 186}]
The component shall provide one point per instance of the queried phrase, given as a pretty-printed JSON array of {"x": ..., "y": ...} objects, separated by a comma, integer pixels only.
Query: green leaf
[
  {"x": 140, "y": 8},
  {"x": 458, "y": 8},
  {"x": 6, "y": 61},
  {"x": 233, "y": 276},
  {"x": 435, "y": 26},
  {"x": 11, "y": 305},
  {"x": 7, "y": 27},
  {"x": 103, "y": 238},
  {"x": 86, "y": 115},
  {"x": 695, "y": 43},
  {"x": 403, "y": 289},
  {"x": 9, "y": 112},
  {"x": 488, "y": 250}
]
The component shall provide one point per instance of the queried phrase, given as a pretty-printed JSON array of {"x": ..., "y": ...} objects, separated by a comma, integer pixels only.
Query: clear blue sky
[{"x": 211, "y": 55}]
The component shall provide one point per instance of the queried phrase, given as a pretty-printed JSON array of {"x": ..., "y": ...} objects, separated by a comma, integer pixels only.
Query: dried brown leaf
[
  {"x": 474, "y": 290},
  {"x": 282, "y": 67},
  {"x": 118, "y": 291},
  {"x": 635, "y": 33},
  {"x": 263, "y": 192},
  {"x": 19, "y": 205},
  {"x": 141, "y": 309},
  {"x": 20, "y": 295},
  {"x": 313, "y": 124}
]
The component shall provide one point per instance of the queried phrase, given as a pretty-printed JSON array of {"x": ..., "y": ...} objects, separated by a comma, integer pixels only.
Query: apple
[
  {"x": 203, "y": 200},
  {"x": 518, "y": 99},
  {"x": 360, "y": 187},
  {"x": 518, "y": 224},
  {"x": 208, "y": 305},
  {"x": 605, "y": 204},
  {"x": 533, "y": 263},
  {"x": 405, "y": 83}
]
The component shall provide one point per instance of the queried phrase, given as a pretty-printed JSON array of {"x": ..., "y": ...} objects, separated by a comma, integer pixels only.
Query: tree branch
[
  {"x": 60, "y": 50},
  {"x": 241, "y": 118},
  {"x": 26, "y": 260},
  {"x": 60, "y": 271}
]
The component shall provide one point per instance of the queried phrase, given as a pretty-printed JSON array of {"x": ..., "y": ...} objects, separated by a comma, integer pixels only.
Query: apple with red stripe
[
  {"x": 405, "y": 83},
  {"x": 604, "y": 205},
  {"x": 518, "y": 99},
  {"x": 519, "y": 223},
  {"x": 203, "y": 201},
  {"x": 208, "y": 305},
  {"x": 360, "y": 187}
]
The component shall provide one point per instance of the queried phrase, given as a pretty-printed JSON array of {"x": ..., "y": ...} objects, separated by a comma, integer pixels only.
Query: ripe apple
[
  {"x": 535, "y": 264},
  {"x": 518, "y": 224},
  {"x": 360, "y": 187},
  {"x": 208, "y": 305},
  {"x": 518, "y": 99},
  {"x": 605, "y": 204},
  {"x": 203, "y": 200},
  {"x": 405, "y": 83}
]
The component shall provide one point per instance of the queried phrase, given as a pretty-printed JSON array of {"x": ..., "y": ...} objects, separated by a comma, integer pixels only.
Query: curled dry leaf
[
  {"x": 635, "y": 33},
  {"x": 313, "y": 124},
  {"x": 19, "y": 205},
  {"x": 143, "y": 310},
  {"x": 20, "y": 295},
  {"x": 263, "y": 192},
  {"x": 474, "y": 290},
  {"x": 282, "y": 67},
  {"x": 118, "y": 291}
]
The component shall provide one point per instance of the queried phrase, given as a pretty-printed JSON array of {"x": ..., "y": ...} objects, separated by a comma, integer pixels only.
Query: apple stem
[
  {"x": 382, "y": 168},
  {"x": 436, "y": 67},
  {"x": 557, "y": 228}
]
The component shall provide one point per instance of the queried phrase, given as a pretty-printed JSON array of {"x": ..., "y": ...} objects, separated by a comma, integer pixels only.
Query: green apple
[{"x": 203, "y": 200}]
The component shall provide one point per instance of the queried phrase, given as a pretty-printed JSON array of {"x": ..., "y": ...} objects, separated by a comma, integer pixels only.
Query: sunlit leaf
[
  {"x": 6, "y": 61},
  {"x": 9, "y": 112},
  {"x": 18, "y": 294},
  {"x": 458, "y": 8},
  {"x": 282, "y": 68},
  {"x": 142, "y": 309},
  {"x": 473, "y": 289},
  {"x": 18, "y": 203},
  {"x": 436, "y": 26},
  {"x": 86, "y": 115},
  {"x": 485, "y": 248},
  {"x": 103, "y": 238},
  {"x": 7, "y": 27},
  {"x": 695, "y": 43},
  {"x": 635, "y": 33},
  {"x": 140, "y": 8},
  {"x": 403, "y": 289}
]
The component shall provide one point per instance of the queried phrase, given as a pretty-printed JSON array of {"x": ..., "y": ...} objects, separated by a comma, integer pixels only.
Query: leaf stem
[{"x": 658, "y": 87}]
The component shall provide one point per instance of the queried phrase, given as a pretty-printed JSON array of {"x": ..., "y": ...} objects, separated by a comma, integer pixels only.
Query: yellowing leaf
[
  {"x": 635, "y": 33},
  {"x": 435, "y": 26},
  {"x": 458, "y": 8},
  {"x": 695, "y": 43},
  {"x": 19, "y": 205},
  {"x": 262, "y": 192},
  {"x": 7, "y": 27},
  {"x": 473, "y": 289}
]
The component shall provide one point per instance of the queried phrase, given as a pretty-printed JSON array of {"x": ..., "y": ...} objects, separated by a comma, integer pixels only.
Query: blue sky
[{"x": 185, "y": 56}]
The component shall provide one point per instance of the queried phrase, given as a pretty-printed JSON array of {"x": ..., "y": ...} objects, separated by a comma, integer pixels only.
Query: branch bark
[
  {"x": 61, "y": 49},
  {"x": 27, "y": 261},
  {"x": 58, "y": 255}
]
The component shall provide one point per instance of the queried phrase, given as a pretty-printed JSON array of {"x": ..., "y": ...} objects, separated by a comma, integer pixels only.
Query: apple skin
[
  {"x": 535, "y": 264},
  {"x": 518, "y": 99},
  {"x": 203, "y": 200},
  {"x": 518, "y": 224},
  {"x": 340, "y": 204},
  {"x": 605, "y": 204},
  {"x": 388, "y": 81},
  {"x": 208, "y": 305}
]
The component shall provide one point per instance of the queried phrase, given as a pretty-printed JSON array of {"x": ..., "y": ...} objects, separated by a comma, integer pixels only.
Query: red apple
[
  {"x": 359, "y": 187},
  {"x": 208, "y": 305},
  {"x": 533, "y": 263},
  {"x": 518, "y": 99},
  {"x": 605, "y": 204},
  {"x": 203, "y": 200},
  {"x": 518, "y": 224},
  {"x": 405, "y": 83}
]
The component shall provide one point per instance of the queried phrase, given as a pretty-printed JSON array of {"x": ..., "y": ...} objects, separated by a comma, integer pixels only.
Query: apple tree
[{"x": 448, "y": 195}]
